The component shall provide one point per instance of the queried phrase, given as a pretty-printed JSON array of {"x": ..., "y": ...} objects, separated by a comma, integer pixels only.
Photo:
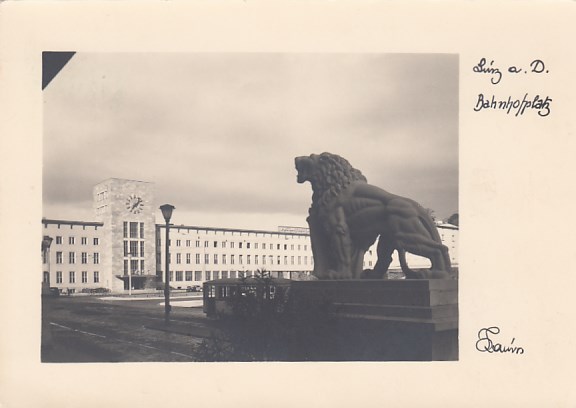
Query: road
[{"x": 94, "y": 329}]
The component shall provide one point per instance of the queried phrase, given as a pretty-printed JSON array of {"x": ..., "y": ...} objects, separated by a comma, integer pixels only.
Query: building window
[
  {"x": 240, "y": 245},
  {"x": 71, "y": 257},
  {"x": 232, "y": 245},
  {"x": 215, "y": 275},
  {"x": 207, "y": 275},
  {"x": 178, "y": 242},
  {"x": 59, "y": 240},
  {"x": 125, "y": 230},
  {"x": 134, "y": 248},
  {"x": 215, "y": 244},
  {"x": 305, "y": 260},
  {"x": 248, "y": 259},
  {"x": 133, "y": 230},
  {"x": 179, "y": 276},
  {"x": 205, "y": 244},
  {"x": 178, "y": 258},
  {"x": 278, "y": 260},
  {"x": 84, "y": 277},
  {"x": 240, "y": 259},
  {"x": 206, "y": 259},
  {"x": 187, "y": 258},
  {"x": 232, "y": 259},
  {"x": 285, "y": 260},
  {"x": 224, "y": 274},
  {"x": 247, "y": 245},
  {"x": 83, "y": 240},
  {"x": 264, "y": 246},
  {"x": 291, "y": 260},
  {"x": 96, "y": 258},
  {"x": 256, "y": 245},
  {"x": 305, "y": 247},
  {"x": 256, "y": 259},
  {"x": 197, "y": 244},
  {"x": 58, "y": 257},
  {"x": 71, "y": 240},
  {"x": 197, "y": 276},
  {"x": 263, "y": 260},
  {"x": 197, "y": 259},
  {"x": 72, "y": 277},
  {"x": 224, "y": 259},
  {"x": 142, "y": 248},
  {"x": 278, "y": 247},
  {"x": 233, "y": 274},
  {"x": 285, "y": 247},
  {"x": 142, "y": 230},
  {"x": 171, "y": 278},
  {"x": 96, "y": 277},
  {"x": 142, "y": 267},
  {"x": 223, "y": 244},
  {"x": 188, "y": 276},
  {"x": 215, "y": 259},
  {"x": 125, "y": 248},
  {"x": 187, "y": 242},
  {"x": 84, "y": 257},
  {"x": 299, "y": 260},
  {"x": 58, "y": 277}
]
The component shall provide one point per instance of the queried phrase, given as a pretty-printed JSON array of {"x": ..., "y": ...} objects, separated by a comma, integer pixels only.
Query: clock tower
[{"x": 127, "y": 208}]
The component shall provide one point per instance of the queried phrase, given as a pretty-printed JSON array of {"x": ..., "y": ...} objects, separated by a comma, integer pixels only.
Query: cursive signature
[{"x": 486, "y": 345}]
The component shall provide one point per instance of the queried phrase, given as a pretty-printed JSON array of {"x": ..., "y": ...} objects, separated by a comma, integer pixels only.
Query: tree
[{"x": 453, "y": 219}]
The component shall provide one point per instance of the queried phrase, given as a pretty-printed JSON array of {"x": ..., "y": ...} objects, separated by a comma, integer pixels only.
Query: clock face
[{"x": 134, "y": 204}]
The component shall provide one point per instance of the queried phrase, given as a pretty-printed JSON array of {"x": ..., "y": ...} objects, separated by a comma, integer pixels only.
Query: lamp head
[{"x": 167, "y": 211}]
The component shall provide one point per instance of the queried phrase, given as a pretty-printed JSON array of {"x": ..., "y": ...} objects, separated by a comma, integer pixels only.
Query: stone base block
[{"x": 389, "y": 320}]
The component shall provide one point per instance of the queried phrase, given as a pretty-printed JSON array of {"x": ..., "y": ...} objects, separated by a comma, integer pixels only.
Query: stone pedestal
[{"x": 390, "y": 320}]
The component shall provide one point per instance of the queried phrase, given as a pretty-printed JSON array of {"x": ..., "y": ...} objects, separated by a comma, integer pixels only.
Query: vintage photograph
[{"x": 249, "y": 207}]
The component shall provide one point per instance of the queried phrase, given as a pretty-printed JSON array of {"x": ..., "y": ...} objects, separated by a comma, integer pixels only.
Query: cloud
[{"x": 218, "y": 132}]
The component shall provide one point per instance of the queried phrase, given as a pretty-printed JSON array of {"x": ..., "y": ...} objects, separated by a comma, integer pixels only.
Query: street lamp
[
  {"x": 130, "y": 272},
  {"x": 46, "y": 242},
  {"x": 167, "y": 214}
]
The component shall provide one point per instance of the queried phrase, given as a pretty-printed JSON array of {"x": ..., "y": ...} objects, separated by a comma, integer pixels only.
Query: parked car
[{"x": 195, "y": 288}]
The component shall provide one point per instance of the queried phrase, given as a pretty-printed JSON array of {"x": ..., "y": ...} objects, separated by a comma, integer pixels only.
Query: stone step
[{"x": 418, "y": 312}]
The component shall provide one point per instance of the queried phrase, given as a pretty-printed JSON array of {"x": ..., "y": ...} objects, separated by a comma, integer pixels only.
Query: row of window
[
  {"x": 72, "y": 226},
  {"x": 196, "y": 276},
  {"x": 136, "y": 267},
  {"x": 223, "y": 258},
  {"x": 72, "y": 240},
  {"x": 224, "y": 245},
  {"x": 134, "y": 248},
  {"x": 84, "y": 256},
  {"x": 133, "y": 229},
  {"x": 72, "y": 277}
]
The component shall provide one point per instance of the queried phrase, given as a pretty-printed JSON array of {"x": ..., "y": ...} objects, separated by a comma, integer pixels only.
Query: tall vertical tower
[{"x": 126, "y": 207}]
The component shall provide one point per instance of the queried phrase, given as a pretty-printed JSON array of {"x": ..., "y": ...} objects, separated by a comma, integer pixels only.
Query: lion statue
[{"x": 348, "y": 215}]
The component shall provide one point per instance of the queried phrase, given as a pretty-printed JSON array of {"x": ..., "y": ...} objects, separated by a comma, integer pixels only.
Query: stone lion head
[{"x": 328, "y": 174}]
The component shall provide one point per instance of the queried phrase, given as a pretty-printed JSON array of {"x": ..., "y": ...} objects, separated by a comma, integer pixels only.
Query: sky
[{"x": 218, "y": 132}]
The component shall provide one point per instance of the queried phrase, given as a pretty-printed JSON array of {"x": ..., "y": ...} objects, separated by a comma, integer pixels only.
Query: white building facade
[{"x": 125, "y": 247}]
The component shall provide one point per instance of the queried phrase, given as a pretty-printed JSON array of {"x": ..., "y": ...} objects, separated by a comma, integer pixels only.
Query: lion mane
[{"x": 333, "y": 174}]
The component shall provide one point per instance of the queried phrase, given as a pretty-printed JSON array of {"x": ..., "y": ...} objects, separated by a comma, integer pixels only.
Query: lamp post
[
  {"x": 130, "y": 273},
  {"x": 46, "y": 242},
  {"x": 167, "y": 214},
  {"x": 46, "y": 335}
]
